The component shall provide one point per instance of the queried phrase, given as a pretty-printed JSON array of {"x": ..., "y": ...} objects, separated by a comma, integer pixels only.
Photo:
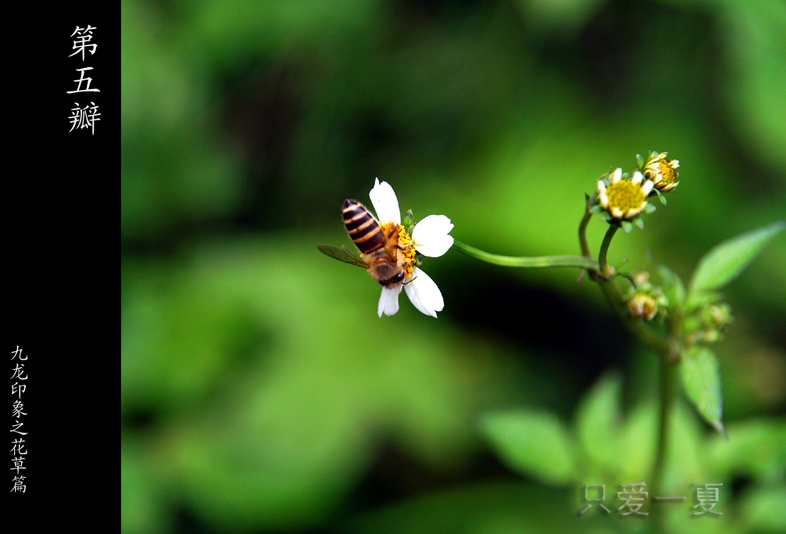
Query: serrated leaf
[
  {"x": 701, "y": 382},
  {"x": 727, "y": 260},
  {"x": 533, "y": 443}
]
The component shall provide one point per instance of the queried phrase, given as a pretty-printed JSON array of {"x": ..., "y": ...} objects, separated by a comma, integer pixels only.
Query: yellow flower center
[
  {"x": 667, "y": 172},
  {"x": 403, "y": 242},
  {"x": 626, "y": 197},
  {"x": 407, "y": 250}
]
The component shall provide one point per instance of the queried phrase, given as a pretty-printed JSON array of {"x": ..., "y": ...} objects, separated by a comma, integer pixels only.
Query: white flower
[{"x": 430, "y": 237}]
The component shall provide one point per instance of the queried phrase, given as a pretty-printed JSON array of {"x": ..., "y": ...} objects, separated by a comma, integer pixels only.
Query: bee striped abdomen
[{"x": 363, "y": 228}]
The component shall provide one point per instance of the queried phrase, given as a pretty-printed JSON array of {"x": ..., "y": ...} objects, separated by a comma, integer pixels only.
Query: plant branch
[
  {"x": 585, "y": 250},
  {"x": 605, "y": 272},
  {"x": 580, "y": 262}
]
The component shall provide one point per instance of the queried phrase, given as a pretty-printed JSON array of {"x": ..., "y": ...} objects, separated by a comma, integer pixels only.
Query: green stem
[
  {"x": 668, "y": 350},
  {"x": 585, "y": 250},
  {"x": 616, "y": 300},
  {"x": 668, "y": 380},
  {"x": 604, "y": 249},
  {"x": 515, "y": 261},
  {"x": 668, "y": 387}
]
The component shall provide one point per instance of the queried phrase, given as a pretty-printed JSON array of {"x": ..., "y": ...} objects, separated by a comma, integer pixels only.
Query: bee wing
[{"x": 342, "y": 254}]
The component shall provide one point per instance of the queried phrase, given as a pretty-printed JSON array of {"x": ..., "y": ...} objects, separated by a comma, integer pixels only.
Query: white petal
[
  {"x": 604, "y": 200},
  {"x": 430, "y": 236},
  {"x": 424, "y": 293},
  {"x": 647, "y": 187},
  {"x": 388, "y": 301},
  {"x": 385, "y": 202},
  {"x": 616, "y": 176},
  {"x": 637, "y": 177}
]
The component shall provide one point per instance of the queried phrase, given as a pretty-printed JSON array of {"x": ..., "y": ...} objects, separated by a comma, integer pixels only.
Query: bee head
[{"x": 394, "y": 280}]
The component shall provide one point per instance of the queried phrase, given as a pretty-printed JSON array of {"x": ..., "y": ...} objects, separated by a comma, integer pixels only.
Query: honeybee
[{"x": 386, "y": 259}]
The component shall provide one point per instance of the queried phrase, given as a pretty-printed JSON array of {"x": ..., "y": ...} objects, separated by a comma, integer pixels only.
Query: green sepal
[
  {"x": 408, "y": 221},
  {"x": 627, "y": 276}
]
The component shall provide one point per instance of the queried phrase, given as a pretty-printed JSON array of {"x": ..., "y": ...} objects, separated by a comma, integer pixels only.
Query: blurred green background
[{"x": 261, "y": 392}]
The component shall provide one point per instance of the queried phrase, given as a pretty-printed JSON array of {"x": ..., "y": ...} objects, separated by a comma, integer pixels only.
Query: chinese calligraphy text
[
  {"x": 18, "y": 449},
  {"x": 83, "y": 116}
]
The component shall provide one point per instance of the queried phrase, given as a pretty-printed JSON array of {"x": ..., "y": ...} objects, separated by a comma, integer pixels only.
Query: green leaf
[
  {"x": 702, "y": 383},
  {"x": 636, "y": 441},
  {"x": 533, "y": 443},
  {"x": 597, "y": 422},
  {"x": 727, "y": 260}
]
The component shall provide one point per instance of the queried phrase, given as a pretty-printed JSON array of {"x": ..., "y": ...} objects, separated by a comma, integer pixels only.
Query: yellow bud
[{"x": 642, "y": 306}]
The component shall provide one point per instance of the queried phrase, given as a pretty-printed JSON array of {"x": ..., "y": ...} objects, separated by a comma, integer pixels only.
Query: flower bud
[
  {"x": 716, "y": 315},
  {"x": 642, "y": 306},
  {"x": 662, "y": 172}
]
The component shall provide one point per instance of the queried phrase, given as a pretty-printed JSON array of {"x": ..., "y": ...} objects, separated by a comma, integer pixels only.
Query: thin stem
[
  {"x": 668, "y": 386},
  {"x": 668, "y": 349},
  {"x": 604, "y": 249},
  {"x": 667, "y": 393},
  {"x": 616, "y": 300},
  {"x": 585, "y": 250},
  {"x": 524, "y": 262}
]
